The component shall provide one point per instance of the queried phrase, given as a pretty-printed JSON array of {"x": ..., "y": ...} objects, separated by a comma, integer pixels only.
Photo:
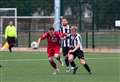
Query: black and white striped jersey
[
  {"x": 75, "y": 40},
  {"x": 66, "y": 42}
]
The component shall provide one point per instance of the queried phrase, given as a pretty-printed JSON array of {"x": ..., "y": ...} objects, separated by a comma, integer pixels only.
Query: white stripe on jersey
[
  {"x": 76, "y": 40},
  {"x": 66, "y": 29}
]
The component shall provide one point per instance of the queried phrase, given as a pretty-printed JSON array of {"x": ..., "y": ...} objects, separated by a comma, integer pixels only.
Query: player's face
[
  {"x": 64, "y": 22},
  {"x": 51, "y": 32},
  {"x": 73, "y": 32},
  {"x": 10, "y": 23}
]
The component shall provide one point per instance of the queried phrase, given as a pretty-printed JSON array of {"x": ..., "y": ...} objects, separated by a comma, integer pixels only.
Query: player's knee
[
  {"x": 56, "y": 55},
  {"x": 50, "y": 58},
  {"x": 70, "y": 58},
  {"x": 82, "y": 61}
]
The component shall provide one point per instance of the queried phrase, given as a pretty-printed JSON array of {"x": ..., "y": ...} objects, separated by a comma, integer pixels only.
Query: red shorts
[{"x": 53, "y": 50}]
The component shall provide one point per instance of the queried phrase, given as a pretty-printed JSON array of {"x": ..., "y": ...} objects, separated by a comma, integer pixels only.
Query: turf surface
[{"x": 34, "y": 67}]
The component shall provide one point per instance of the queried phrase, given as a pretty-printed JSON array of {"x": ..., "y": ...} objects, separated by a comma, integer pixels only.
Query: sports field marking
[{"x": 22, "y": 60}]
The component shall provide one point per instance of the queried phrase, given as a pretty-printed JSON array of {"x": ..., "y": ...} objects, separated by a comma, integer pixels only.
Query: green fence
[
  {"x": 109, "y": 39},
  {"x": 95, "y": 19}
]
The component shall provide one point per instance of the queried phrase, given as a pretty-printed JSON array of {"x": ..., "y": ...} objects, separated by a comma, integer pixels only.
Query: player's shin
[
  {"x": 87, "y": 68},
  {"x": 66, "y": 61},
  {"x": 10, "y": 47},
  {"x": 57, "y": 56},
  {"x": 85, "y": 65},
  {"x": 53, "y": 64},
  {"x": 0, "y": 66}
]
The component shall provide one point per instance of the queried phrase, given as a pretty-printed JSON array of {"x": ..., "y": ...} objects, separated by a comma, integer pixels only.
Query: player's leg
[
  {"x": 0, "y": 66},
  {"x": 50, "y": 52},
  {"x": 69, "y": 65},
  {"x": 57, "y": 54},
  {"x": 71, "y": 58},
  {"x": 10, "y": 47},
  {"x": 11, "y": 42},
  {"x": 86, "y": 66},
  {"x": 53, "y": 64},
  {"x": 83, "y": 62},
  {"x": 65, "y": 54}
]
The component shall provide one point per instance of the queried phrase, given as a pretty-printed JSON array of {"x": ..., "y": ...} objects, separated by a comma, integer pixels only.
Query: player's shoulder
[
  {"x": 45, "y": 34},
  {"x": 68, "y": 26},
  {"x": 57, "y": 33},
  {"x": 78, "y": 34},
  {"x": 7, "y": 26}
]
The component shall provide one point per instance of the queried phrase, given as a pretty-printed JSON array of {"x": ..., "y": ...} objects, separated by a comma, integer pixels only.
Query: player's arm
[
  {"x": 62, "y": 35},
  {"x": 39, "y": 40},
  {"x": 44, "y": 36},
  {"x": 77, "y": 47},
  {"x": 15, "y": 32},
  {"x": 6, "y": 30}
]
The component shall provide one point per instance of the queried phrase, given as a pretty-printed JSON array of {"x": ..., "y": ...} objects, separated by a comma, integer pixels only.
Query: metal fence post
[
  {"x": 29, "y": 40},
  {"x": 93, "y": 24},
  {"x": 86, "y": 34}
]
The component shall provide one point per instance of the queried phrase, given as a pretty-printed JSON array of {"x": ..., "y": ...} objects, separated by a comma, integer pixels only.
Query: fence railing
[{"x": 30, "y": 28}]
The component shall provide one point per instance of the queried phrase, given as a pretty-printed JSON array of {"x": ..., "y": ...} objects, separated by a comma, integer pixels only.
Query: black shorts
[
  {"x": 11, "y": 40},
  {"x": 79, "y": 54},
  {"x": 65, "y": 50}
]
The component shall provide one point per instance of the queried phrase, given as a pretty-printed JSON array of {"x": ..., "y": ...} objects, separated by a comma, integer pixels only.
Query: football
[{"x": 34, "y": 45}]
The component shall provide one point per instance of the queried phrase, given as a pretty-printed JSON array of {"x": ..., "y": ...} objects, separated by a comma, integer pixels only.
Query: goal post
[
  {"x": 6, "y": 12},
  {"x": 30, "y": 27}
]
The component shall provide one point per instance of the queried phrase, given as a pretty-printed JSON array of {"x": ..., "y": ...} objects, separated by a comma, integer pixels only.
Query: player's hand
[
  {"x": 37, "y": 43},
  {"x": 71, "y": 51},
  {"x": 63, "y": 38}
]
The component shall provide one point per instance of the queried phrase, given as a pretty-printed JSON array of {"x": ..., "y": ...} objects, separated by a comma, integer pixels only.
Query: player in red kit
[{"x": 53, "y": 49}]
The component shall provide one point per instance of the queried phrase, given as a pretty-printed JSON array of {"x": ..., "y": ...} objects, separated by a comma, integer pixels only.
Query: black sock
[
  {"x": 0, "y": 65},
  {"x": 66, "y": 62},
  {"x": 73, "y": 64},
  {"x": 59, "y": 60},
  {"x": 53, "y": 64},
  {"x": 10, "y": 48},
  {"x": 87, "y": 67}
]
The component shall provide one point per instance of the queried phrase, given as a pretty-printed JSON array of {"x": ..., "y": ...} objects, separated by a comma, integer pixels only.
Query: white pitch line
[{"x": 22, "y": 60}]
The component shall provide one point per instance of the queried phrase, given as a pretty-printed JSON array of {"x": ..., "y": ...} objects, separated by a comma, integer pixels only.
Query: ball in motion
[{"x": 34, "y": 45}]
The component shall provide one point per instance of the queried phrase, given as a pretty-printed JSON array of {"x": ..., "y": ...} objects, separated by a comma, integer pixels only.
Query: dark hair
[
  {"x": 64, "y": 18},
  {"x": 51, "y": 28}
]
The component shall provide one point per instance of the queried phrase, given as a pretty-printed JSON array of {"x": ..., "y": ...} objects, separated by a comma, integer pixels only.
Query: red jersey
[{"x": 52, "y": 40}]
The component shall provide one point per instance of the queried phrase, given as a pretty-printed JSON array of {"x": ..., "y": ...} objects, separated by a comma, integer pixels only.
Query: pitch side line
[{"x": 22, "y": 60}]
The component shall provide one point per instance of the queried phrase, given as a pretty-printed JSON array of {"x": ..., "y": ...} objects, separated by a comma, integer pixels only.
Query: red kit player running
[{"x": 53, "y": 49}]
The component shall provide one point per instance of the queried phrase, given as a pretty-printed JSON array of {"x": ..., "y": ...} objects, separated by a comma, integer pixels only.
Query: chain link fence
[{"x": 95, "y": 19}]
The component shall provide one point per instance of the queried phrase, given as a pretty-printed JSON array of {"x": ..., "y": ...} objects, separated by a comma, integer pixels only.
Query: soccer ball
[{"x": 34, "y": 45}]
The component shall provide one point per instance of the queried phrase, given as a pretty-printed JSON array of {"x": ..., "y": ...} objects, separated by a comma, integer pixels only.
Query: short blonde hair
[{"x": 74, "y": 27}]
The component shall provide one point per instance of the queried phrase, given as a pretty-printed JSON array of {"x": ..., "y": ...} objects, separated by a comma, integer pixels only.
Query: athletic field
[{"x": 34, "y": 67}]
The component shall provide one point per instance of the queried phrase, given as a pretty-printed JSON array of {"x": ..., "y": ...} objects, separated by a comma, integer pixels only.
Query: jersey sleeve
[
  {"x": 44, "y": 36},
  {"x": 61, "y": 34},
  {"x": 6, "y": 32},
  {"x": 78, "y": 39}
]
